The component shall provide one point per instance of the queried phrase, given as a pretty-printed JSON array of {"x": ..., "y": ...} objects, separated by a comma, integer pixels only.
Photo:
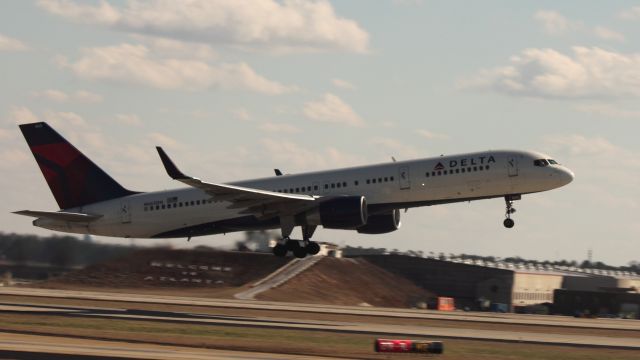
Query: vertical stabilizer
[{"x": 73, "y": 179}]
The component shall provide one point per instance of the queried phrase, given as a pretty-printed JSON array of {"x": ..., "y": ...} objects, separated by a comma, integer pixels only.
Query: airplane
[{"x": 367, "y": 199}]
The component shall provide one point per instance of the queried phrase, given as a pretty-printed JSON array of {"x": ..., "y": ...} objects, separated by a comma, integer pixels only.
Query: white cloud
[
  {"x": 580, "y": 145},
  {"x": 62, "y": 118},
  {"x": 21, "y": 115},
  {"x": 177, "y": 49},
  {"x": 430, "y": 135},
  {"x": 286, "y": 152},
  {"x": 103, "y": 13},
  {"x": 281, "y": 128},
  {"x": 87, "y": 97},
  {"x": 241, "y": 114},
  {"x": 81, "y": 96},
  {"x": 343, "y": 84},
  {"x": 128, "y": 119},
  {"x": 163, "y": 140},
  {"x": 608, "y": 34},
  {"x": 5, "y": 134},
  {"x": 392, "y": 147},
  {"x": 553, "y": 22},
  {"x": 587, "y": 73},
  {"x": 291, "y": 25},
  {"x": 10, "y": 44},
  {"x": 13, "y": 158},
  {"x": 630, "y": 14},
  {"x": 608, "y": 110},
  {"x": 127, "y": 63},
  {"x": 332, "y": 109}
]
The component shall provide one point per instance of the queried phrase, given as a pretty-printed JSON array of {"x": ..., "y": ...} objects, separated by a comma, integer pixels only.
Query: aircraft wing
[
  {"x": 60, "y": 215},
  {"x": 253, "y": 201}
]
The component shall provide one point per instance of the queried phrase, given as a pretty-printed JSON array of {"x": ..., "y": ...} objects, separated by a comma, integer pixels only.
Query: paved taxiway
[
  {"x": 495, "y": 318},
  {"x": 47, "y": 347},
  {"x": 322, "y": 325}
]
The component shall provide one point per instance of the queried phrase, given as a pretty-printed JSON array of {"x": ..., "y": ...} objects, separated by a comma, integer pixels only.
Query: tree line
[{"x": 62, "y": 251}]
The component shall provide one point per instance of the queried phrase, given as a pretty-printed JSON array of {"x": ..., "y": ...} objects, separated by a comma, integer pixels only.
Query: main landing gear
[
  {"x": 509, "y": 199},
  {"x": 299, "y": 248}
]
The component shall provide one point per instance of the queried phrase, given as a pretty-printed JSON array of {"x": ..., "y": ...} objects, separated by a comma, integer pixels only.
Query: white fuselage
[{"x": 393, "y": 185}]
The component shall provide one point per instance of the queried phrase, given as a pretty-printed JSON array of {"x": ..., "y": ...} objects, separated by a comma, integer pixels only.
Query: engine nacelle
[
  {"x": 347, "y": 212},
  {"x": 381, "y": 223}
]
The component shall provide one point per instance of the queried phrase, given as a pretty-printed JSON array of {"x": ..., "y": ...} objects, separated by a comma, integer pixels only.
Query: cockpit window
[
  {"x": 540, "y": 162},
  {"x": 553, "y": 162}
]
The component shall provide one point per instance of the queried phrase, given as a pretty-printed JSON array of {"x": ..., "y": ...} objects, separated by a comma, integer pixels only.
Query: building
[{"x": 475, "y": 283}]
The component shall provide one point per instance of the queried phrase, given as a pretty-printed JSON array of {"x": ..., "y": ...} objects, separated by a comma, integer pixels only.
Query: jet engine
[
  {"x": 381, "y": 223},
  {"x": 346, "y": 212}
]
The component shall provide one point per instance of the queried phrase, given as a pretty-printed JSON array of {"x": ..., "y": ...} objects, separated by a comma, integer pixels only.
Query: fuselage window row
[
  {"x": 456, "y": 171},
  {"x": 335, "y": 185},
  {"x": 179, "y": 204}
]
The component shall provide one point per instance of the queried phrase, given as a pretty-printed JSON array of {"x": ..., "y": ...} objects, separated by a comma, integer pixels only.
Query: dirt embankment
[
  {"x": 348, "y": 282},
  {"x": 173, "y": 269}
]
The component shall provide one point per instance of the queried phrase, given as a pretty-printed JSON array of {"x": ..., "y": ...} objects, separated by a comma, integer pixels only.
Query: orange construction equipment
[{"x": 446, "y": 304}]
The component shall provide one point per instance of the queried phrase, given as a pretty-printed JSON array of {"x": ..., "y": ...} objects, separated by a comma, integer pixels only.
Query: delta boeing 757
[{"x": 366, "y": 199}]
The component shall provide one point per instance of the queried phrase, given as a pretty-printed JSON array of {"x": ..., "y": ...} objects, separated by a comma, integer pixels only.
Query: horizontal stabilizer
[{"x": 60, "y": 215}]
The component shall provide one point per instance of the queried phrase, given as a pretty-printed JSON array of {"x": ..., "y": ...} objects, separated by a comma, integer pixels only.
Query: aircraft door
[
  {"x": 403, "y": 177},
  {"x": 512, "y": 166},
  {"x": 125, "y": 212}
]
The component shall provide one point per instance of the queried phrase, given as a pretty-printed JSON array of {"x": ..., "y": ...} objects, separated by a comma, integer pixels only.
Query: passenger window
[
  {"x": 457, "y": 171},
  {"x": 333, "y": 185},
  {"x": 291, "y": 190},
  {"x": 157, "y": 207},
  {"x": 379, "y": 179},
  {"x": 192, "y": 203},
  {"x": 315, "y": 187},
  {"x": 297, "y": 190},
  {"x": 326, "y": 186},
  {"x": 373, "y": 181},
  {"x": 368, "y": 181},
  {"x": 486, "y": 167},
  {"x": 355, "y": 183},
  {"x": 344, "y": 184},
  {"x": 163, "y": 207},
  {"x": 427, "y": 174},
  {"x": 439, "y": 172},
  {"x": 475, "y": 168},
  {"x": 308, "y": 188},
  {"x": 386, "y": 179},
  {"x": 338, "y": 185},
  {"x": 180, "y": 204},
  {"x": 463, "y": 170}
]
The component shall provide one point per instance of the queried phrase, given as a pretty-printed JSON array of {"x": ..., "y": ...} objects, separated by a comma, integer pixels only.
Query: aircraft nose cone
[{"x": 567, "y": 176}]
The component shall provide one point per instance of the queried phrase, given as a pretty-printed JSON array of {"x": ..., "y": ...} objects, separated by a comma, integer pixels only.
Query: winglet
[{"x": 169, "y": 166}]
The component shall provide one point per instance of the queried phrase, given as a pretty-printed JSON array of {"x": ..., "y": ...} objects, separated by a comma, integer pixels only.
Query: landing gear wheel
[
  {"x": 508, "y": 223},
  {"x": 280, "y": 250},
  {"x": 300, "y": 252},
  {"x": 312, "y": 248}
]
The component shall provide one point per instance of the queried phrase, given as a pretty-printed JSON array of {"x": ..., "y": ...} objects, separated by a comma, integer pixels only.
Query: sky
[{"x": 234, "y": 89}]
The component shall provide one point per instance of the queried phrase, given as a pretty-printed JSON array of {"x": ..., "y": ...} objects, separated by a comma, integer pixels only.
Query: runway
[
  {"x": 493, "y": 318},
  {"x": 35, "y": 347},
  {"x": 374, "y": 329}
]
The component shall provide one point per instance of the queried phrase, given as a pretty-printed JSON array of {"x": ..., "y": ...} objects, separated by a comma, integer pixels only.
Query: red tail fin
[{"x": 73, "y": 179}]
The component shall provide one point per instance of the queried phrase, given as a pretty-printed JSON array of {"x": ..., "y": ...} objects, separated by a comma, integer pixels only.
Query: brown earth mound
[
  {"x": 348, "y": 282},
  {"x": 178, "y": 269}
]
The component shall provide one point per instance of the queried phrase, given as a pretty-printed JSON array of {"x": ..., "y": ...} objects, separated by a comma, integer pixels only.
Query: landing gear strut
[{"x": 509, "y": 199}]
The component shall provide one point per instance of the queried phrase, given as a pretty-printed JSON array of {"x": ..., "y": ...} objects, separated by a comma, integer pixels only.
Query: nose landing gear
[{"x": 509, "y": 199}]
